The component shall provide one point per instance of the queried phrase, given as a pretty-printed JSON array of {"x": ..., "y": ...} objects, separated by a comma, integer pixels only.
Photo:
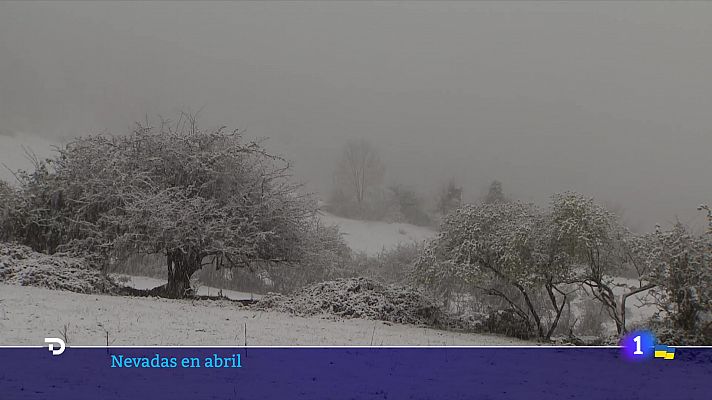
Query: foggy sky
[{"x": 610, "y": 99}]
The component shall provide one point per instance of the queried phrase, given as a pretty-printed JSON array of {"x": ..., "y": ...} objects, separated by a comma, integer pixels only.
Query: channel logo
[
  {"x": 60, "y": 345},
  {"x": 642, "y": 345}
]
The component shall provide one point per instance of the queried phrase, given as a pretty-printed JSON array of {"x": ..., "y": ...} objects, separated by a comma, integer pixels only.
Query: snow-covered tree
[
  {"x": 506, "y": 250},
  {"x": 516, "y": 251},
  {"x": 449, "y": 198},
  {"x": 359, "y": 169},
  {"x": 197, "y": 196},
  {"x": 495, "y": 193},
  {"x": 679, "y": 266},
  {"x": 599, "y": 248}
]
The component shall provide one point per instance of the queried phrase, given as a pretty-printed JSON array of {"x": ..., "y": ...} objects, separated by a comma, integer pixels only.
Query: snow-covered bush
[
  {"x": 325, "y": 256},
  {"x": 389, "y": 265},
  {"x": 409, "y": 205},
  {"x": 507, "y": 322},
  {"x": 365, "y": 298},
  {"x": 672, "y": 267},
  {"x": 680, "y": 265},
  {"x": 7, "y": 204},
  {"x": 29, "y": 214},
  {"x": 20, "y": 265}
]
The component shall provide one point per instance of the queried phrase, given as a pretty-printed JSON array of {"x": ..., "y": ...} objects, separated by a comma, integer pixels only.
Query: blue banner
[{"x": 351, "y": 373}]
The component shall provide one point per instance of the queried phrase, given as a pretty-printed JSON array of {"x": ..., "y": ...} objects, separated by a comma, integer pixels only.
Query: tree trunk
[
  {"x": 559, "y": 310},
  {"x": 624, "y": 298},
  {"x": 181, "y": 267},
  {"x": 532, "y": 310}
]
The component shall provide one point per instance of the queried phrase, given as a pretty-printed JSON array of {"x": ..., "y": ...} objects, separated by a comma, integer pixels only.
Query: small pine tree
[
  {"x": 495, "y": 194},
  {"x": 450, "y": 198}
]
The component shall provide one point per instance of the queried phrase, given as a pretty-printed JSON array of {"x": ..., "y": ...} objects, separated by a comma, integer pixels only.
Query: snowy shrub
[
  {"x": 325, "y": 256},
  {"x": 31, "y": 214},
  {"x": 20, "y": 265},
  {"x": 8, "y": 198},
  {"x": 441, "y": 278},
  {"x": 672, "y": 267},
  {"x": 390, "y": 265},
  {"x": 507, "y": 322},
  {"x": 409, "y": 205},
  {"x": 365, "y": 298},
  {"x": 680, "y": 265},
  {"x": 666, "y": 332}
]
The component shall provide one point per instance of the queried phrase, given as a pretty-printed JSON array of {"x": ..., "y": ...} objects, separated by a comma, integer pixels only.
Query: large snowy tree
[{"x": 197, "y": 196}]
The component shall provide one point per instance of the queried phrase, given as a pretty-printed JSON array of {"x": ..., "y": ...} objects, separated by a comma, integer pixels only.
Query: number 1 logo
[
  {"x": 638, "y": 351},
  {"x": 638, "y": 346}
]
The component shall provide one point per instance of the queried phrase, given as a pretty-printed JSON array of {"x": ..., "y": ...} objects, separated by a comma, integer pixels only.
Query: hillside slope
[{"x": 371, "y": 237}]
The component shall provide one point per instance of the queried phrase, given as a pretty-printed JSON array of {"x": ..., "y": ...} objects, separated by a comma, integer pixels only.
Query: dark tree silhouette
[
  {"x": 495, "y": 194},
  {"x": 360, "y": 168}
]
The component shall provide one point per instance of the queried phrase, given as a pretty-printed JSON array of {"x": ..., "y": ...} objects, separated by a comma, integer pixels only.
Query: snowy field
[
  {"x": 371, "y": 237},
  {"x": 29, "y": 314}
]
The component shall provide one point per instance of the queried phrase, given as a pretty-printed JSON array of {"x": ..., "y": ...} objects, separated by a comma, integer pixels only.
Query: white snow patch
[{"x": 371, "y": 237}]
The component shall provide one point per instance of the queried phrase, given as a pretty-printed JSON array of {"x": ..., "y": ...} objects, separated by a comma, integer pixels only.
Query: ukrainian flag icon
[{"x": 665, "y": 352}]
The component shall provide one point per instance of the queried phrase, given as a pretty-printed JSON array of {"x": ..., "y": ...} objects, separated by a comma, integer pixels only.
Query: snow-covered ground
[
  {"x": 371, "y": 237},
  {"x": 29, "y": 314},
  {"x": 144, "y": 282}
]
